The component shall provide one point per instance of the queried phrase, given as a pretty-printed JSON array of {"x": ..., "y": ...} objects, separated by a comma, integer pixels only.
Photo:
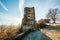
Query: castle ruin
[{"x": 28, "y": 21}]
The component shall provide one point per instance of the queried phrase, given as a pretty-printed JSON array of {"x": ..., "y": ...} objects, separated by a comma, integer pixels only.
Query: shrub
[{"x": 42, "y": 24}]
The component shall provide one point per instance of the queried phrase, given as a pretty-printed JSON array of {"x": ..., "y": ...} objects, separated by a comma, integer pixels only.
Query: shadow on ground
[
  {"x": 57, "y": 28},
  {"x": 31, "y": 35}
]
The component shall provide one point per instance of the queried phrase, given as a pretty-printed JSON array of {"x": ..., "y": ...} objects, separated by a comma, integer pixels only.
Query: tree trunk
[{"x": 54, "y": 21}]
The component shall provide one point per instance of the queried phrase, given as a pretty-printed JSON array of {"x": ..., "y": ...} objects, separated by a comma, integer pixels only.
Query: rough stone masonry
[{"x": 28, "y": 21}]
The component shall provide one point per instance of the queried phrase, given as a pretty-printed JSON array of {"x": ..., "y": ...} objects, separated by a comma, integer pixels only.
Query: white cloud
[
  {"x": 3, "y": 6},
  {"x": 21, "y": 4},
  {"x": 42, "y": 9},
  {"x": 8, "y": 19},
  {"x": 57, "y": 6}
]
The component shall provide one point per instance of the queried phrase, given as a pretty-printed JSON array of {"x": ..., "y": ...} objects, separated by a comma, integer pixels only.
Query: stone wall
[{"x": 28, "y": 21}]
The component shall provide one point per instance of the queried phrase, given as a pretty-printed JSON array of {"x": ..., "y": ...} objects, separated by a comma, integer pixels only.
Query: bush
[{"x": 42, "y": 24}]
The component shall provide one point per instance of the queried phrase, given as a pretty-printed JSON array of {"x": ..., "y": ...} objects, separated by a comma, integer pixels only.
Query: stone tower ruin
[{"x": 28, "y": 21}]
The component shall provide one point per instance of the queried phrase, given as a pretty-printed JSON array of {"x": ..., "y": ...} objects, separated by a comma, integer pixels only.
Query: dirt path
[{"x": 53, "y": 34}]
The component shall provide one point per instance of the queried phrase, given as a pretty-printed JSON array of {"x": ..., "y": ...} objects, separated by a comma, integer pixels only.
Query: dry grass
[
  {"x": 8, "y": 31},
  {"x": 54, "y": 24},
  {"x": 54, "y": 33}
]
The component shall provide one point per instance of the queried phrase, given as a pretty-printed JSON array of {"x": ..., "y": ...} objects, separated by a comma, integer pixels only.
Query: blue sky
[{"x": 11, "y": 11}]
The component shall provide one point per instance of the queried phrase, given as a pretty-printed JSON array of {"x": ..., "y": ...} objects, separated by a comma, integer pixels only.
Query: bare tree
[{"x": 53, "y": 14}]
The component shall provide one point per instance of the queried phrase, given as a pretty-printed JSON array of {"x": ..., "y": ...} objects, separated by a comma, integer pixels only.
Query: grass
[
  {"x": 7, "y": 31},
  {"x": 52, "y": 31}
]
